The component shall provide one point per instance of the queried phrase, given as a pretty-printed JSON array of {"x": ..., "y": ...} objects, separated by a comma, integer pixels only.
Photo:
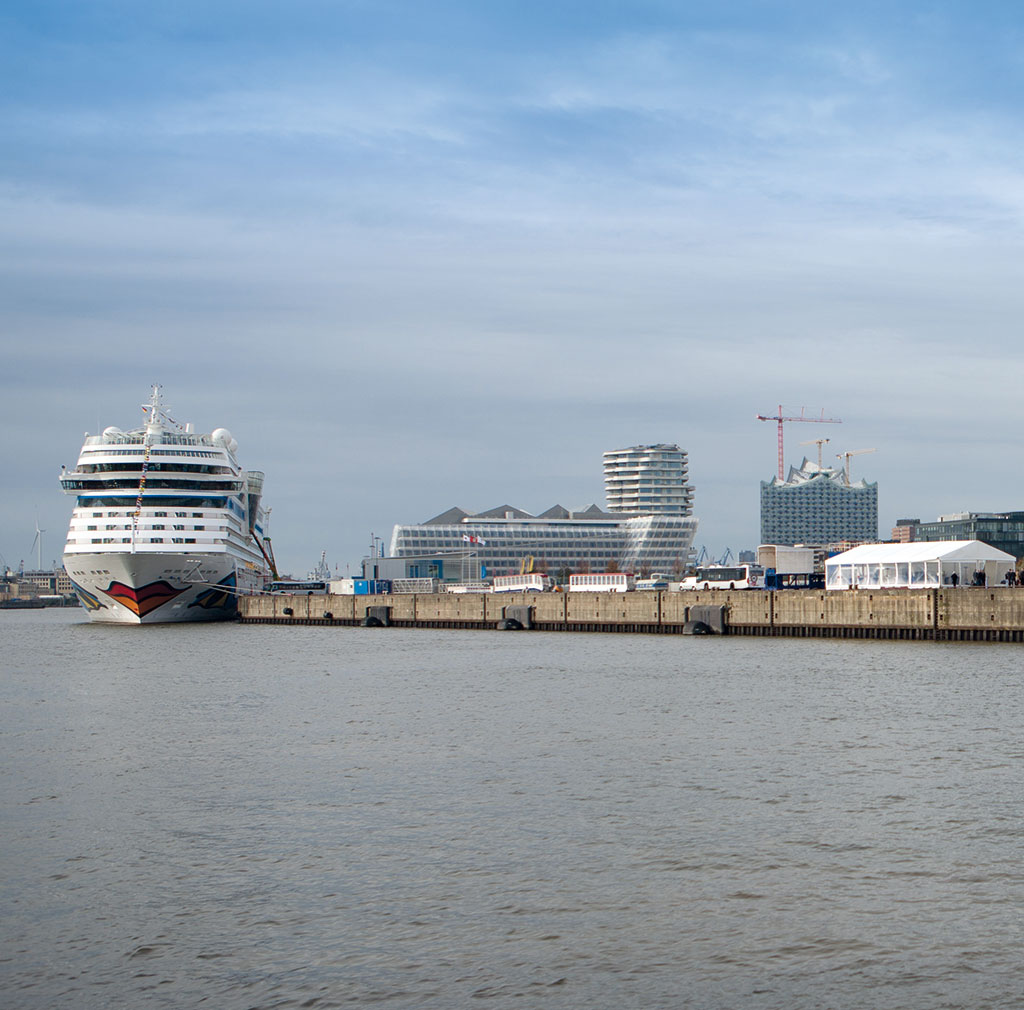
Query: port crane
[
  {"x": 846, "y": 457},
  {"x": 781, "y": 418}
]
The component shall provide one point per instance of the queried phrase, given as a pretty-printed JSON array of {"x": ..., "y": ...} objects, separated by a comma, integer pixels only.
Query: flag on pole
[{"x": 474, "y": 540}]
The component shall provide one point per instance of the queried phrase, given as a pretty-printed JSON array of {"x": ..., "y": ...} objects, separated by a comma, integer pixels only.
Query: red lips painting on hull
[{"x": 145, "y": 599}]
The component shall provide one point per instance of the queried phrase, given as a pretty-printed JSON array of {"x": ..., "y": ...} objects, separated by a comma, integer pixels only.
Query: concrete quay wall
[{"x": 971, "y": 614}]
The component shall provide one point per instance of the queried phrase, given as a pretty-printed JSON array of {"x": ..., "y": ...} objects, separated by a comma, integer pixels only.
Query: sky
[{"x": 417, "y": 255}]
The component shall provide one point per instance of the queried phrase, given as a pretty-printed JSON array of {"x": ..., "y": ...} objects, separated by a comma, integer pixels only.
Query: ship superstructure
[{"x": 167, "y": 525}]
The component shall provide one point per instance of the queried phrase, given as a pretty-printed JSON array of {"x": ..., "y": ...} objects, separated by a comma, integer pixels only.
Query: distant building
[
  {"x": 44, "y": 583},
  {"x": 457, "y": 546},
  {"x": 905, "y": 531},
  {"x": 818, "y": 506},
  {"x": 648, "y": 480},
  {"x": 31, "y": 584},
  {"x": 648, "y": 527},
  {"x": 1004, "y": 530}
]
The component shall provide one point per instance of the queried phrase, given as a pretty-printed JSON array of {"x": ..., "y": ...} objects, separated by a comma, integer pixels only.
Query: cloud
[{"x": 458, "y": 272}]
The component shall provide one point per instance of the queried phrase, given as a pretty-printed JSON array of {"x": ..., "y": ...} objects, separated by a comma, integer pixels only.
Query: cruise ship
[{"x": 167, "y": 525}]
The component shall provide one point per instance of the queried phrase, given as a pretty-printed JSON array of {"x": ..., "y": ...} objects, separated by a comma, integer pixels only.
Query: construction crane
[
  {"x": 781, "y": 418},
  {"x": 267, "y": 550},
  {"x": 846, "y": 456},
  {"x": 819, "y": 442}
]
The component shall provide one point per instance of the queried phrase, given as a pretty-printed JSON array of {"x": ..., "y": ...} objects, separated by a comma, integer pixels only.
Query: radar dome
[
  {"x": 221, "y": 435},
  {"x": 112, "y": 431},
  {"x": 233, "y": 446}
]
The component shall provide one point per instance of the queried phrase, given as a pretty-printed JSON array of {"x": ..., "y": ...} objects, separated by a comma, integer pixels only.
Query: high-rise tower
[{"x": 648, "y": 480}]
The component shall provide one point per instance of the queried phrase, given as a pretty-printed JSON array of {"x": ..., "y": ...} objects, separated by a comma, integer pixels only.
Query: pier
[{"x": 961, "y": 614}]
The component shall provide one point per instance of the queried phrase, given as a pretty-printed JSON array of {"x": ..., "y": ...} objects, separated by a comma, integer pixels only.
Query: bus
[
  {"x": 602, "y": 582},
  {"x": 534, "y": 582},
  {"x": 657, "y": 583},
  {"x": 725, "y": 577}
]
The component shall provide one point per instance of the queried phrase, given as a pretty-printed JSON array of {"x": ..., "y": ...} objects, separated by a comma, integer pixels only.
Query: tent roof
[{"x": 922, "y": 550}]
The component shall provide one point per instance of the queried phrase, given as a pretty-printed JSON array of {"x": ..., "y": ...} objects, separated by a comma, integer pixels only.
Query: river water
[{"x": 265, "y": 817}]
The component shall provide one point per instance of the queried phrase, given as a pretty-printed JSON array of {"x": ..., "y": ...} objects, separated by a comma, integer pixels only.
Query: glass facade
[
  {"x": 647, "y": 479},
  {"x": 632, "y": 544},
  {"x": 818, "y": 507},
  {"x": 1004, "y": 530},
  {"x": 647, "y": 528}
]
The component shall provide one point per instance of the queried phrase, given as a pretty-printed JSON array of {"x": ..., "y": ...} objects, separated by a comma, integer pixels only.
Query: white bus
[
  {"x": 534, "y": 582},
  {"x": 658, "y": 583},
  {"x": 601, "y": 582},
  {"x": 725, "y": 577}
]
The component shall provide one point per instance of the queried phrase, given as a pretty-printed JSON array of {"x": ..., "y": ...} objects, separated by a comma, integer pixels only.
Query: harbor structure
[
  {"x": 818, "y": 504},
  {"x": 949, "y": 614}
]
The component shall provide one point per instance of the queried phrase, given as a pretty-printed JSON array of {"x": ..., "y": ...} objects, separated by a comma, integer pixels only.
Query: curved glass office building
[
  {"x": 503, "y": 541},
  {"x": 647, "y": 528}
]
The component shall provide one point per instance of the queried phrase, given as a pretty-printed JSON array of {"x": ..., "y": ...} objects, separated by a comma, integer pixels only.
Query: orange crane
[{"x": 780, "y": 418}]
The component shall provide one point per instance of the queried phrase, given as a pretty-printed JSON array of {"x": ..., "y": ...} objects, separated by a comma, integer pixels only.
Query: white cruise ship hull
[
  {"x": 159, "y": 588},
  {"x": 167, "y": 526}
]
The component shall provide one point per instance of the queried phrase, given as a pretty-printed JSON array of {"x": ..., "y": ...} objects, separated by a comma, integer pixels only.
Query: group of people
[
  {"x": 1011, "y": 578},
  {"x": 978, "y": 579}
]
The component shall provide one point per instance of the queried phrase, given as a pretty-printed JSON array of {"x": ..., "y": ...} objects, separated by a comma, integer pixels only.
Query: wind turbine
[{"x": 37, "y": 543}]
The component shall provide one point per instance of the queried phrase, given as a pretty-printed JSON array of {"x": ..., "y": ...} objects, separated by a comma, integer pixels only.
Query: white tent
[{"x": 921, "y": 565}]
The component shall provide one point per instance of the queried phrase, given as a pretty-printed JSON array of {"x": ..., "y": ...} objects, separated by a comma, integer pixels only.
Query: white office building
[
  {"x": 647, "y": 528},
  {"x": 504, "y": 540},
  {"x": 648, "y": 480}
]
